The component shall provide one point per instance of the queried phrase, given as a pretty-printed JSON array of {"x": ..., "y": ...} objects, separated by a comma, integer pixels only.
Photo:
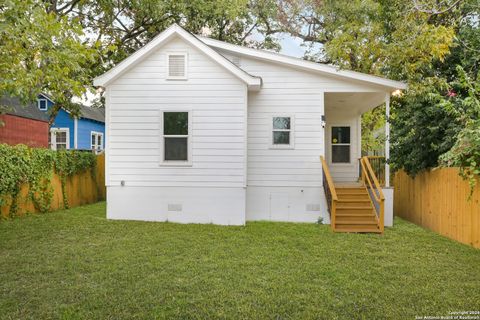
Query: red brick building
[{"x": 23, "y": 124}]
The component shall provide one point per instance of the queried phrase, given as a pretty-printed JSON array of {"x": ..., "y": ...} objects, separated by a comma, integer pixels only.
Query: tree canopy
[
  {"x": 42, "y": 52},
  {"x": 432, "y": 45},
  {"x": 58, "y": 46}
]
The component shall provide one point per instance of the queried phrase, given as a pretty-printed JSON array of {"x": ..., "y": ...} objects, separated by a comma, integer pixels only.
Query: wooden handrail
[
  {"x": 328, "y": 176},
  {"x": 331, "y": 193},
  {"x": 377, "y": 163},
  {"x": 366, "y": 167},
  {"x": 367, "y": 176}
]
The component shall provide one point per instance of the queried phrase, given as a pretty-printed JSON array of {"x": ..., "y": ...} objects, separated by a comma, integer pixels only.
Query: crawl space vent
[
  {"x": 313, "y": 207},
  {"x": 174, "y": 207}
]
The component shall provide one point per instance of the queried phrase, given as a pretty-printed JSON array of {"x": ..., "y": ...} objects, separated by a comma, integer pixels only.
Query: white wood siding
[
  {"x": 289, "y": 92},
  {"x": 217, "y": 101},
  {"x": 300, "y": 93}
]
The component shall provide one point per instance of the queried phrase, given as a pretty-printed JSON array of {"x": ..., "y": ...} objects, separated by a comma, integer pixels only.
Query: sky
[{"x": 292, "y": 47}]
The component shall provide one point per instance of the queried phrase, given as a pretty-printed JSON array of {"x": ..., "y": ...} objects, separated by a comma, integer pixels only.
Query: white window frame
[
  {"x": 340, "y": 144},
  {"x": 96, "y": 134},
  {"x": 53, "y": 137},
  {"x": 176, "y": 163},
  {"x": 291, "y": 130},
  {"x": 177, "y": 53},
  {"x": 46, "y": 104}
]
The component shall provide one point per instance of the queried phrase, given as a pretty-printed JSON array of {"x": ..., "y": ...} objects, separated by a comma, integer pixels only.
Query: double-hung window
[
  {"x": 176, "y": 138},
  {"x": 96, "y": 141},
  {"x": 59, "y": 138},
  {"x": 340, "y": 144},
  {"x": 282, "y": 132}
]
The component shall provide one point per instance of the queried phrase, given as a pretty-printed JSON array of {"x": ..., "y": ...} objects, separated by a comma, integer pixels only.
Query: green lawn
[{"x": 75, "y": 264}]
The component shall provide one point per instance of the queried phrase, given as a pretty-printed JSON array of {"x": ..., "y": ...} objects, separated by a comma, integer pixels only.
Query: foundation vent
[
  {"x": 312, "y": 207},
  {"x": 174, "y": 207}
]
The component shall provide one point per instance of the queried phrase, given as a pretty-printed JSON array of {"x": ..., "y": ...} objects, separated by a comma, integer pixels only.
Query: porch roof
[{"x": 353, "y": 102}]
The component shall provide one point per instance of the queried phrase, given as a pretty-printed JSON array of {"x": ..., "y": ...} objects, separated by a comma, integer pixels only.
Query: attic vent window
[{"x": 177, "y": 66}]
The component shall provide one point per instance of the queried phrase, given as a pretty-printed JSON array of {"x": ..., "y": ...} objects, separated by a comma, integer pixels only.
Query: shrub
[{"x": 34, "y": 167}]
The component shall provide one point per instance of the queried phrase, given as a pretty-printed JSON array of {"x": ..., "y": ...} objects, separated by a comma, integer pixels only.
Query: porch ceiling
[{"x": 353, "y": 102}]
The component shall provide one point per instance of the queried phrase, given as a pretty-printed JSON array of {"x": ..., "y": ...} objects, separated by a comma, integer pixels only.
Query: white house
[{"x": 202, "y": 131}]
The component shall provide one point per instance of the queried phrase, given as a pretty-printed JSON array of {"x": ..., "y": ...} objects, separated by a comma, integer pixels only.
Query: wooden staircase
[
  {"x": 355, "y": 211},
  {"x": 352, "y": 208}
]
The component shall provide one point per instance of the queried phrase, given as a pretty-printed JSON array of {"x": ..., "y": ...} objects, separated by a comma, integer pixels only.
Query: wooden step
[
  {"x": 354, "y": 211},
  {"x": 357, "y": 209},
  {"x": 353, "y": 196},
  {"x": 357, "y": 228},
  {"x": 342, "y": 212},
  {"x": 354, "y": 203},
  {"x": 356, "y": 218},
  {"x": 361, "y": 190},
  {"x": 371, "y": 222}
]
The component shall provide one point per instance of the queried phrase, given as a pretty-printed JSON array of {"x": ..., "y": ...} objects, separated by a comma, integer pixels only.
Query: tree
[
  {"x": 42, "y": 52},
  {"x": 418, "y": 41},
  {"x": 373, "y": 137},
  {"x": 383, "y": 37},
  {"x": 437, "y": 116},
  {"x": 58, "y": 46},
  {"x": 124, "y": 26}
]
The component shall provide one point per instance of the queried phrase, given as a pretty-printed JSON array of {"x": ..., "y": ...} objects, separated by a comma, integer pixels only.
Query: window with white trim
[
  {"x": 42, "y": 104},
  {"x": 176, "y": 137},
  {"x": 177, "y": 66},
  {"x": 341, "y": 144},
  {"x": 282, "y": 132},
  {"x": 96, "y": 140},
  {"x": 59, "y": 138}
]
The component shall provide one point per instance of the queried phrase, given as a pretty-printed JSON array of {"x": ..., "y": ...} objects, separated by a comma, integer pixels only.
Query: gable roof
[
  {"x": 46, "y": 96},
  {"x": 303, "y": 64},
  {"x": 17, "y": 108},
  {"x": 175, "y": 30},
  {"x": 97, "y": 114}
]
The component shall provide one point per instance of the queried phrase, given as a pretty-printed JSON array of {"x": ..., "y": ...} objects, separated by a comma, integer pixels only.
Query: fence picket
[
  {"x": 438, "y": 200},
  {"x": 81, "y": 189}
]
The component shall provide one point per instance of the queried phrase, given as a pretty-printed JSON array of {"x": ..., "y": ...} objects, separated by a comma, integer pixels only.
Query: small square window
[
  {"x": 282, "y": 132},
  {"x": 42, "y": 104}
]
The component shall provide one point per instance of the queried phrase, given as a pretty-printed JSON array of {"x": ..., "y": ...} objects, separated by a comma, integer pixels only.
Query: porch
[{"x": 356, "y": 185}]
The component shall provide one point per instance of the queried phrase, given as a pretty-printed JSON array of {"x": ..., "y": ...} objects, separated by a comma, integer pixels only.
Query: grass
[{"x": 75, "y": 264}]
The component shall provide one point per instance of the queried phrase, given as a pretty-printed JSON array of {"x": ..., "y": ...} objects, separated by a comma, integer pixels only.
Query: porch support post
[{"x": 387, "y": 139}]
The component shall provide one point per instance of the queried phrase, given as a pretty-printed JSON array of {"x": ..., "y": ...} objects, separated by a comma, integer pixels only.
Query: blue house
[{"x": 86, "y": 132}]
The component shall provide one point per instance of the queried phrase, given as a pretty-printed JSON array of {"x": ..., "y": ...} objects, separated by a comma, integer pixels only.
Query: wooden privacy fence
[
  {"x": 438, "y": 200},
  {"x": 83, "y": 188}
]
